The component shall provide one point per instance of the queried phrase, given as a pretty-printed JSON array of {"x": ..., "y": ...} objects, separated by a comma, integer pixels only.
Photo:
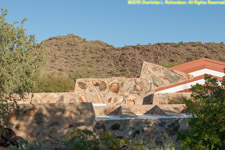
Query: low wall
[
  {"x": 115, "y": 91},
  {"x": 51, "y": 121},
  {"x": 51, "y": 115},
  {"x": 170, "y": 98},
  {"x": 94, "y": 97},
  {"x": 35, "y": 98},
  {"x": 139, "y": 109},
  {"x": 148, "y": 130},
  {"x": 118, "y": 85}
]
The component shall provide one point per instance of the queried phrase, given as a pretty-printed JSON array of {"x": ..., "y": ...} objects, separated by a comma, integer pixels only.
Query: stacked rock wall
[
  {"x": 161, "y": 76},
  {"x": 115, "y": 91},
  {"x": 50, "y": 115},
  {"x": 50, "y": 122},
  {"x": 148, "y": 130},
  {"x": 36, "y": 98},
  {"x": 139, "y": 109},
  {"x": 111, "y": 99},
  {"x": 170, "y": 98}
]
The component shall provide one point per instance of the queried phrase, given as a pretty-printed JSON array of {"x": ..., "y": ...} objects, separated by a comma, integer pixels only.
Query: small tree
[
  {"x": 207, "y": 124},
  {"x": 19, "y": 64}
]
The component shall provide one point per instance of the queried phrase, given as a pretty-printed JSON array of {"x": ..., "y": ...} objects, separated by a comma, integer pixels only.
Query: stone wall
[
  {"x": 50, "y": 122},
  {"x": 140, "y": 109},
  {"x": 170, "y": 98},
  {"x": 49, "y": 116},
  {"x": 161, "y": 76},
  {"x": 115, "y": 91},
  {"x": 110, "y": 99},
  {"x": 36, "y": 98},
  {"x": 64, "y": 97},
  {"x": 148, "y": 130},
  {"x": 135, "y": 102}
]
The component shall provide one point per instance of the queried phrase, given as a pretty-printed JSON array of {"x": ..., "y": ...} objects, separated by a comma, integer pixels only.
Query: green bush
[
  {"x": 87, "y": 140},
  {"x": 81, "y": 140},
  {"x": 82, "y": 72},
  {"x": 207, "y": 124},
  {"x": 109, "y": 142},
  {"x": 32, "y": 145},
  {"x": 176, "y": 100},
  {"x": 53, "y": 83},
  {"x": 20, "y": 64}
]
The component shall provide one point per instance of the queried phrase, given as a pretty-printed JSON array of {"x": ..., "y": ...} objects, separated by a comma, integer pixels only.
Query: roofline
[
  {"x": 198, "y": 60},
  {"x": 184, "y": 82},
  {"x": 215, "y": 62}
]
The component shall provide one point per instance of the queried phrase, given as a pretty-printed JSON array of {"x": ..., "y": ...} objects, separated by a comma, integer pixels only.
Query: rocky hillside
[{"x": 76, "y": 57}]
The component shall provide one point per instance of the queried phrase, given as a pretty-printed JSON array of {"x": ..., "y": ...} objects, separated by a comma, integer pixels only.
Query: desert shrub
[
  {"x": 82, "y": 72},
  {"x": 176, "y": 100},
  {"x": 31, "y": 145},
  {"x": 170, "y": 64},
  {"x": 81, "y": 140},
  {"x": 181, "y": 42},
  {"x": 53, "y": 60},
  {"x": 93, "y": 57},
  {"x": 60, "y": 69},
  {"x": 20, "y": 63},
  {"x": 168, "y": 144},
  {"x": 207, "y": 124},
  {"x": 109, "y": 142},
  {"x": 87, "y": 140},
  {"x": 54, "y": 83}
]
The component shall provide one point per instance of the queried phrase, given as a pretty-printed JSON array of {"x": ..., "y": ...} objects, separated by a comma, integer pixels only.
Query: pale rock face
[
  {"x": 116, "y": 90},
  {"x": 162, "y": 76},
  {"x": 126, "y": 87},
  {"x": 170, "y": 98}
]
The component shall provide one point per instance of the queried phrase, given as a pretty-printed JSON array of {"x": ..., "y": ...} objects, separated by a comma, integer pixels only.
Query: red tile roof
[
  {"x": 184, "y": 82},
  {"x": 200, "y": 64},
  {"x": 203, "y": 63}
]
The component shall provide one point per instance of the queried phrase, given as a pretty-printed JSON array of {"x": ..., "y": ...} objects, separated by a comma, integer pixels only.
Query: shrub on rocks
[
  {"x": 20, "y": 64},
  {"x": 87, "y": 140},
  {"x": 207, "y": 124}
]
